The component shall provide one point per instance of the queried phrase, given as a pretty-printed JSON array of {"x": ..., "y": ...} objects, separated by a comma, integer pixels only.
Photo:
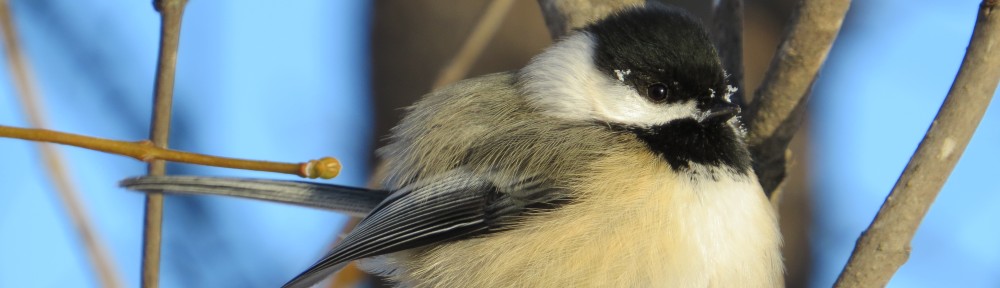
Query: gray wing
[
  {"x": 455, "y": 206},
  {"x": 351, "y": 200}
]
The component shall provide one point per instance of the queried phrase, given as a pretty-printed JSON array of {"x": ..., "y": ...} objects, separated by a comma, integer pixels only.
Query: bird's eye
[{"x": 657, "y": 92}]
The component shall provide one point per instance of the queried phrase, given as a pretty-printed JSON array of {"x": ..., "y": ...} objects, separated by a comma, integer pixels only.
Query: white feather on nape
[{"x": 564, "y": 82}]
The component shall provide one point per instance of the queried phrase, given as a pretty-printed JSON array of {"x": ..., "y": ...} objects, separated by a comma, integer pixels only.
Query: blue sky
[
  {"x": 877, "y": 95},
  {"x": 288, "y": 82},
  {"x": 256, "y": 79}
]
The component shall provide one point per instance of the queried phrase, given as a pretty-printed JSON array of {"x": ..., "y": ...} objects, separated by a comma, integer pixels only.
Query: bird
[{"x": 614, "y": 158}]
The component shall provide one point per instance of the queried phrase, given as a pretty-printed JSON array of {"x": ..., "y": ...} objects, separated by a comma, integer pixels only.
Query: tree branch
[
  {"x": 885, "y": 246},
  {"x": 171, "y": 12},
  {"x": 100, "y": 259},
  {"x": 325, "y": 168},
  {"x": 779, "y": 103}
]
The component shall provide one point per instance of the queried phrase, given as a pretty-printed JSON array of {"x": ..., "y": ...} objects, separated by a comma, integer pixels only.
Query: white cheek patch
[
  {"x": 563, "y": 82},
  {"x": 621, "y": 104}
]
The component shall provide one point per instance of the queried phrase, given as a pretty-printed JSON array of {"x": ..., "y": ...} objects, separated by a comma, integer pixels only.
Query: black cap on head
[
  {"x": 658, "y": 44},
  {"x": 665, "y": 54}
]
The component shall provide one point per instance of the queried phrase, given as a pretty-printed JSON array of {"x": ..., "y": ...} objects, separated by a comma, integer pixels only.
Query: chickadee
[{"x": 613, "y": 159}]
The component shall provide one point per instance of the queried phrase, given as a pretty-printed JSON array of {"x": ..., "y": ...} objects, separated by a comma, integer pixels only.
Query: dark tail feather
[{"x": 351, "y": 200}]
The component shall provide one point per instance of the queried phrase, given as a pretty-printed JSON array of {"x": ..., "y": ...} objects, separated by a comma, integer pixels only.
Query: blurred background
[{"x": 298, "y": 80}]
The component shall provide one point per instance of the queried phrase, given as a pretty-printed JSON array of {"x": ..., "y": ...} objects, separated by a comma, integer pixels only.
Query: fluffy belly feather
[{"x": 663, "y": 230}]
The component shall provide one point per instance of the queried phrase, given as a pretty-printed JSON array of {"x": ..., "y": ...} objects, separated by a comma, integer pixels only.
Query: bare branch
[
  {"x": 99, "y": 257},
  {"x": 885, "y": 246},
  {"x": 171, "y": 12},
  {"x": 779, "y": 103},
  {"x": 561, "y": 16},
  {"x": 325, "y": 168},
  {"x": 727, "y": 32},
  {"x": 473, "y": 46}
]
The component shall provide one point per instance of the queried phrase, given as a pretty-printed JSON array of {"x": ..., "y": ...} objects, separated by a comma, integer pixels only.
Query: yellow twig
[
  {"x": 324, "y": 168},
  {"x": 101, "y": 260}
]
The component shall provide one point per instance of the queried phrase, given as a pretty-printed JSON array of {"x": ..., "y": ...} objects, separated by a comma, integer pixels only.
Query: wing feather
[
  {"x": 355, "y": 201},
  {"x": 457, "y": 205}
]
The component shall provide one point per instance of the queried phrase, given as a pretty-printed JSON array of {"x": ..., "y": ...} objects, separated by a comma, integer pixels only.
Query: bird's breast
[{"x": 634, "y": 223}]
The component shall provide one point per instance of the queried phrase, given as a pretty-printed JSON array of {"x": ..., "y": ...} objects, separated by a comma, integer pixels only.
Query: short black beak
[{"x": 722, "y": 112}]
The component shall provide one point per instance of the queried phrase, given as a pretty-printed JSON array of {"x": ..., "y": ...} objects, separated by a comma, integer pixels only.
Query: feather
[{"x": 351, "y": 200}]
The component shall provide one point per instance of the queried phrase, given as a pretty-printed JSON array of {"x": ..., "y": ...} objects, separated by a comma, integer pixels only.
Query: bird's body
[
  {"x": 631, "y": 220},
  {"x": 613, "y": 159}
]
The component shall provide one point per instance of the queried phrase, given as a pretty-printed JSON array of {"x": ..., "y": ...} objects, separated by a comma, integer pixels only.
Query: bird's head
[{"x": 649, "y": 70}]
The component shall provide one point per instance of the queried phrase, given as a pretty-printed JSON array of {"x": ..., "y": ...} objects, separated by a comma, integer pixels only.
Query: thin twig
[
  {"x": 885, "y": 246},
  {"x": 100, "y": 259},
  {"x": 473, "y": 46},
  {"x": 778, "y": 104},
  {"x": 727, "y": 32},
  {"x": 325, "y": 168},
  {"x": 171, "y": 12}
]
